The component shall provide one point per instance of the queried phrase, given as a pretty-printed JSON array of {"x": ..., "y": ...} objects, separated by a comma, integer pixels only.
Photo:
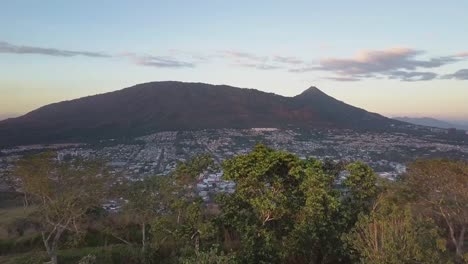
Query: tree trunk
[
  {"x": 46, "y": 244},
  {"x": 143, "y": 237},
  {"x": 196, "y": 236},
  {"x": 197, "y": 244},
  {"x": 319, "y": 257},
  {"x": 53, "y": 258},
  {"x": 461, "y": 240},
  {"x": 25, "y": 200},
  {"x": 457, "y": 243},
  {"x": 52, "y": 247}
]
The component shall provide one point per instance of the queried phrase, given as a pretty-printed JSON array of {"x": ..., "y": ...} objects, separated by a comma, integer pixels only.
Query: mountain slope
[
  {"x": 432, "y": 122},
  {"x": 160, "y": 106}
]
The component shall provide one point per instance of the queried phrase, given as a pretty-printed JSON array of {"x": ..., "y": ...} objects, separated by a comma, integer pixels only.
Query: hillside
[
  {"x": 432, "y": 122},
  {"x": 162, "y": 106}
]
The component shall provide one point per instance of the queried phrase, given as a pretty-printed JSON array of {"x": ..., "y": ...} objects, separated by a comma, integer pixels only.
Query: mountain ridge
[
  {"x": 171, "y": 105},
  {"x": 431, "y": 122}
]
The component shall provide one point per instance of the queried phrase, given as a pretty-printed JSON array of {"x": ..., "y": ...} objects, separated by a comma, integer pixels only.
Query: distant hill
[
  {"x": 162, "y": 106},
  {"x": 432, "y": 122},
  {"x": 4, "y": 116}
]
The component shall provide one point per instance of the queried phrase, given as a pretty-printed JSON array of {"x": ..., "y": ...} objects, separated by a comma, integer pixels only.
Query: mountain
[
  {"x": 163, "y": 106},
  {"x": 432, "y": 122}
]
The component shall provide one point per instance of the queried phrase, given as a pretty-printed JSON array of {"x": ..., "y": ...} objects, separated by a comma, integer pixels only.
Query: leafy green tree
[
  {"x": 267, "y": 196},
  {"x": 284, "y": 209},
  {"x": 360, "y": 191},
  {"x": 63, "y": 192},
  {"x": 317, "y": 230}
]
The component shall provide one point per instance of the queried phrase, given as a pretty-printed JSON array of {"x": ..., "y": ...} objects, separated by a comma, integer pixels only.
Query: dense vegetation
[{"x": 284, "y": 210}]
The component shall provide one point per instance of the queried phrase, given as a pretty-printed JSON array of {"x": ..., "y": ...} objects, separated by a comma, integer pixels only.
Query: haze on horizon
[{"x": 397, "y": 58}]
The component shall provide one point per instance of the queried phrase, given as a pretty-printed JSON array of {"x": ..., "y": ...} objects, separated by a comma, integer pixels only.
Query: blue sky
[{"x": 391, "y": 57}]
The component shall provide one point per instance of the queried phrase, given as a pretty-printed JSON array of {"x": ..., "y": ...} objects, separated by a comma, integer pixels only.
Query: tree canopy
[{"x": 284, "y": 209}]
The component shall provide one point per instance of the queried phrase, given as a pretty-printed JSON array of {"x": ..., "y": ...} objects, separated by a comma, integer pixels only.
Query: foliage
[
  {"x": 183, "y": 222},
  {"x": 211, "y": 256},
  {"x": 392, "y": 234},
  {"x": 287, "y": 209},
  {"x": 438, "y": 189},
  {"x": 284, "y": 210},
  {"x": 148, "y": 199},
  {"x": 63, "y": 192},
  {"x": 361, "y": 190}
]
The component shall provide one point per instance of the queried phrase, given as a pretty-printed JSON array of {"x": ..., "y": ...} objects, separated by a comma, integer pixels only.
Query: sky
[{"x": 396, "y": 58}]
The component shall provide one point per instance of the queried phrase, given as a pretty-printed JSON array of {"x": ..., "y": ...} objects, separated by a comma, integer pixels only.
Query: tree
[
  {"x": 439, "y": 189},
  {"x": 360, "y": 191},
  {"x": 182, "y": 221},
  {"x": 319, "y": 222},
  {"x": 148, "y": 199},
  {"x": 187, "y": 172},
  {"x": 63, "y": 191},
  {"x": 284, "y": 209},
  {"x": 392, "y": 234},
  {"x": 266, "y": 198}
]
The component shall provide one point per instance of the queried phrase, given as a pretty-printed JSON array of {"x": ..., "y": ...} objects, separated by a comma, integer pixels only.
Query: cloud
[
  {"x": 250, "y": 60},
  {"x": 462, "y": 54},
  {"x": 243, "y": 55},
  {"x": 145, "y": 60},
  {"x": 343, "y": 79},
  {"x": 6, "y": 47},
  {"x": 305, "y": 69},
  {"x": 403, "y": 64},
  {"x": 412, "y": 76},
  {"x": 392, "y": 63},
  {"x": 195, "y": 56},
  {"x": 458, "y": 75},
  {"x": 288, "y": 60},
  {"x": 159, "y": 61},
  {"x": 259, "y": 66},
  {"x": 381, "y": 61}
]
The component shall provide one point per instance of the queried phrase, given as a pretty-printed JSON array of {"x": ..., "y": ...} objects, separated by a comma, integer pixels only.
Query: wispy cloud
[
  {"x": 249, "y": 60},
  {"x": 305, "y": 68},
  {"x": 462, "y": 54},
  {"x": 458, "y": 75},
  {"x": 412, "y": 76},
  {"x": 158, "y": 61},
  {"x": 145, "y": 60},
  {"x": 404, "y": 64},
  {"x": 259, "y": 66},
  {"x": 343, "y": 79},
  {"x": 379, "y": 61},
  {"x": 163, "y": 62},
  {"x": 393, "y": 63},
  {"x": 288, "y": 60},
  {"x": 198, "y": 57},
  {"x": 6, "y": 47},
  {"x": 243, "y": 55}
]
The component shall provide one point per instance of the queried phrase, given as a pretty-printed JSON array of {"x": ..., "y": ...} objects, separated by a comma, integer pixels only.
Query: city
[{"x": 158, "y": 154}]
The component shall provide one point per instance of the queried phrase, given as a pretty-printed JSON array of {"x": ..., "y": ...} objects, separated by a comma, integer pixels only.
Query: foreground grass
[
  {"x": 10, "y": 215},
  {"x": 111, "y": 254},
  {"x": 13, "y": 227}
]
